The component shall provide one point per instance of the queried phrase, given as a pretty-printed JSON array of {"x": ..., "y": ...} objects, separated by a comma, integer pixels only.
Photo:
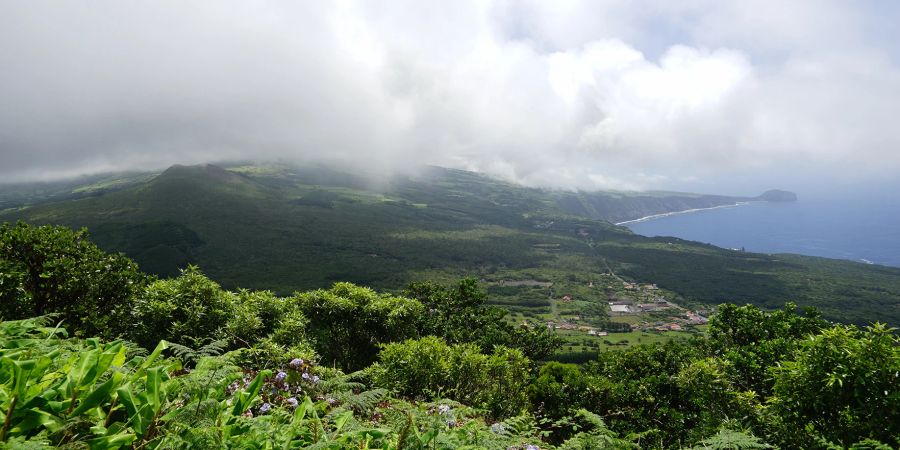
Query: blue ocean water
[{"x": 864, "y": 228}]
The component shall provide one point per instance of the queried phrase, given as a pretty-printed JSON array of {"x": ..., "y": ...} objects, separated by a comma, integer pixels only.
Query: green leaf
[
  {"x": 98, "y": 396},
  {"x": 35, "y": 418},
  {"x": 112, "y": 442},
  {"x": 244, "y": 399}
]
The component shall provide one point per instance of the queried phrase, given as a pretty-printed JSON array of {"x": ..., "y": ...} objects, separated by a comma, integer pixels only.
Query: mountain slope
[
  {"x": 620, "y": 207},
  {"x": 285, "y": 228}
]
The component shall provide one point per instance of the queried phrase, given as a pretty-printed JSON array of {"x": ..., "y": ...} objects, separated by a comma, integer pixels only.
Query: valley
[{"x": 287, "y": 228}]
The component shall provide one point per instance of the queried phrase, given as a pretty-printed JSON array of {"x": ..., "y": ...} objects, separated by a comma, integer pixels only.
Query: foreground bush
[
  {"x": 430, "y": 368},
  {"x": 51, "y": 269},
  {"x": 350, "y": 321},
  {"x": 843, "y": 386},
  {"x": 74, "y": 393}
]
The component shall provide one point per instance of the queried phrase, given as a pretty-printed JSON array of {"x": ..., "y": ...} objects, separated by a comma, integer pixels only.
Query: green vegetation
[
  {"x": 287, "y": 228},
  {"x": 44, "y": 269},
  {"x": 435, "y": 367}
]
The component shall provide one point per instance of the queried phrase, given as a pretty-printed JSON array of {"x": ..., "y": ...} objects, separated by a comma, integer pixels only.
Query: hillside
[
  {"x": 286, "y": 229},
  {"x": 620, "y": 207}
]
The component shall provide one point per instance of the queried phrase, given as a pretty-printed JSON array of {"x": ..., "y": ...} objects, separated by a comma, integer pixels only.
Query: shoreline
[{"x": 675, "y": 213}]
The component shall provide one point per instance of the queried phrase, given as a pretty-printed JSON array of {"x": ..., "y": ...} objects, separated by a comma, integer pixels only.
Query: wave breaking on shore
[{"x": 686, "y": 211}]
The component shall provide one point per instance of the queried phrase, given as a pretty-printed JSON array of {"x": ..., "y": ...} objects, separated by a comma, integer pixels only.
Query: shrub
[
  {"x": 348, "y": 322},
  {"x": 430, "y": 368},
  {"x": 843, "y": 385},
  {"x": 52, "y": 269},
  {"x": 189, "y": 310}
]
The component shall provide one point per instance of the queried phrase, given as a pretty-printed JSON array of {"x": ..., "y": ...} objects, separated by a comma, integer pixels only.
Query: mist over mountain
[
  {"x": 703, "y": 96},
  {"x": 479, "y": 224},
  {"x": 285, "y": 228}
]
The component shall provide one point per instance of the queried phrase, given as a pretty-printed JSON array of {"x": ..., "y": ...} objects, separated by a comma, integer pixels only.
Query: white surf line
[{"x": 674, "y": 213}]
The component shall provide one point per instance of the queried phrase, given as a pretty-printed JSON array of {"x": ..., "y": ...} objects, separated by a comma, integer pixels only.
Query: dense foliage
[
  {"x": 434, "y": 368},
  {"x": 52, "y": 269},
  {"x": 430, "y": 368},
  {"x": 288, "y": 228}
]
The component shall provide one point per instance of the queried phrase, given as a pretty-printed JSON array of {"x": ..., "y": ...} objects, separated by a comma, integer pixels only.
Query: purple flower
[
  {"x": 443, "y": 409},
  {"x": 265, "y": 408},
  {"x": 532, "y": 447},
  {"x": 292, "y": 402},
  {"x": 296, "y": 363},
  {"x": 315, "y": 379},
  {"x": 280, "y": 376},
  {"x": 451, "y": 423},
  {"x": 305, "y": 376}
]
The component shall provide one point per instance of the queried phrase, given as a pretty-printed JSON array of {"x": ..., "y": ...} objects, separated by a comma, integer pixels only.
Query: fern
[
  {"x": 731, "y": 440},
  {"x": 342, "y": 383},
  {"x": 524, "y": 425},
  {"x": 189, "y": 357}
]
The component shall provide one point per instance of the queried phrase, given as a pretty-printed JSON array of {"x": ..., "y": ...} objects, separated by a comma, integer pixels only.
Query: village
[
  {"x": 596, "y": 311},
  {"x": 634, "y": 307}
]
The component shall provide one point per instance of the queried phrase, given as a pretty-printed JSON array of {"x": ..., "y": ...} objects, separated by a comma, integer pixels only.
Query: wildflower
[
  {"x": 315, "y": 379},
  {"x": 443, "y": 409},
  {"x": 305, "y": 376},
  {"x": 292, "y": 402},
  {"x": 265, "y": 408},
  {"x": 498, "y": 428},
  {"x": 280, "y": 376},
  {"x": 451, "y": 423},
  {"x": 296, "y": 363},
  {"x": 331, "y": 400},
  {"x": 532, "y": 447}
]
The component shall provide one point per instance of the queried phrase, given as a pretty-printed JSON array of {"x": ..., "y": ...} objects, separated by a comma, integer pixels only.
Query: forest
[
  {"x": 286, "y": 228},
  {"x": 95, "y": 353}
]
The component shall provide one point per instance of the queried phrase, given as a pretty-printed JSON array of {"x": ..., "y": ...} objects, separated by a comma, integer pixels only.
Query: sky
[{"x": 695, "y": 95}]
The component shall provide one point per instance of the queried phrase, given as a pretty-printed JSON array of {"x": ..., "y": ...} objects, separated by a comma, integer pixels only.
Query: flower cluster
[
  {"x": 292, "y": 382},
  {"x": 446, "y": 413}
]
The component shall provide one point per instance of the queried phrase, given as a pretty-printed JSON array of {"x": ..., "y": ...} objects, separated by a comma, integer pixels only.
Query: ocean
[{"x": 858, "y": 227}]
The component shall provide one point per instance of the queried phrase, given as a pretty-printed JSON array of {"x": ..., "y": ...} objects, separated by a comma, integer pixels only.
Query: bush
[
  {"x": 843, "y": 385},
  {"x": 52, "y": 269},
  {"x": 559, "y": 390},
  {"x": 260, "y": 316},
  {"x": 458, "y": 314},
  {"x": 430, "y": 368},
  {"x": 348, "y": 322},
  {"x": 189, "y": 310}
]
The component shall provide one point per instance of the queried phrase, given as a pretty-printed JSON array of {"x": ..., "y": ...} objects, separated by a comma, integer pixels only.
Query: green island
[{"x": 272, "y": 306}]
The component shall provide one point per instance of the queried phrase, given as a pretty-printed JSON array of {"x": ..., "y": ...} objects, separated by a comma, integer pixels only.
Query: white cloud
[{"x": 572, "y": 94}]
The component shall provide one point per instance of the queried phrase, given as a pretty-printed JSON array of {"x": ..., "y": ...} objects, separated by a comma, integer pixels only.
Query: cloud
[{"x": 613, "y": 94}]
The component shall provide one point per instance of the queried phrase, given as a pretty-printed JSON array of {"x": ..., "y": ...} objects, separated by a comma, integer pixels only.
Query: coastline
[{"x": 674, "y": 213}]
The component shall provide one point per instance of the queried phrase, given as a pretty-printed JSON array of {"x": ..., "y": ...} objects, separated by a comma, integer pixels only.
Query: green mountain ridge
[
  {"x": 622, "y": 207},
  {"x": 287, "y": 228}
]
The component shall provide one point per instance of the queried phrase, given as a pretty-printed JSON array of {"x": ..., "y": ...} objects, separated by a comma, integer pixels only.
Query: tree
[
  {"x": 52, "y": 269},
  {"x": 459, "y": 314},
  {"x": 843, "y": 385},
  {"x": 189, "y": 310},
  {"x": 645, "y": 392},
  {"x": 429, "y": 368},
  {"x": 348, "y": 322},
  {"x": 560, "y": 390},
  {"x": 752, "y": 340}
]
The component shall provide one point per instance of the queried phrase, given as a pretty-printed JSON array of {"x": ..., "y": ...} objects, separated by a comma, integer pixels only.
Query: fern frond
[
  {"x": 364, "y": 402},
  {"x": 214, "y": 348}
]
